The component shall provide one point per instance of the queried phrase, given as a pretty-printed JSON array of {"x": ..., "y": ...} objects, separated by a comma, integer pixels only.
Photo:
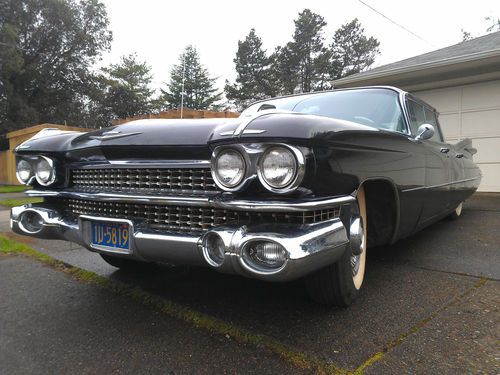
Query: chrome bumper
[{"x": 308, "y": 247}]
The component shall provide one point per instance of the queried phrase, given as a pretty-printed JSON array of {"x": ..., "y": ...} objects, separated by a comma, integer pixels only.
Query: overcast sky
[{"x": 159, "y": 30}]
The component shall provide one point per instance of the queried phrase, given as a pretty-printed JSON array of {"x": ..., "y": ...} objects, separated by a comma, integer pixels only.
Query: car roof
[
  {"x": 392, "y": 88},
  {"x": 399, "y": 91}
]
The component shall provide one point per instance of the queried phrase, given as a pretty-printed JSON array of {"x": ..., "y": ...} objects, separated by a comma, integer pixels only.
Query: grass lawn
[
  {"x": 19, "y": 202},
  {"x": 12, "y": 188}
]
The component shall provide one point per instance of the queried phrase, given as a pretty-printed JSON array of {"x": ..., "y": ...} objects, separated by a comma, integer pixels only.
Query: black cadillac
[{"x": 296, "y": 187}]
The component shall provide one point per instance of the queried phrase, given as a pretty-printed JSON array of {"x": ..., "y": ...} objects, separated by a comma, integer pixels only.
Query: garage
[{"x": 463, "y": 83}]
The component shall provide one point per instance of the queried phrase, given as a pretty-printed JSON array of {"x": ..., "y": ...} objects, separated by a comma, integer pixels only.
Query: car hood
[
  {"x": 157, "y": 132},
  {"x": 194, "y": 133}
]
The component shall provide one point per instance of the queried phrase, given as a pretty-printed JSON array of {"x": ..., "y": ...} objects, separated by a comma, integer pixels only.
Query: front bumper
[{"x": 308, "y": 247}]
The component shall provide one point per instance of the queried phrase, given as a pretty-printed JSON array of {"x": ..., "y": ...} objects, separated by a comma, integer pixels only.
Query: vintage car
[{"x": 296, "y": 187}]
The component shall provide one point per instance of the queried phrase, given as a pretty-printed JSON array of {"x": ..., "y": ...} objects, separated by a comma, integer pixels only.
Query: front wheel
[{"x": 339, "y": 283}]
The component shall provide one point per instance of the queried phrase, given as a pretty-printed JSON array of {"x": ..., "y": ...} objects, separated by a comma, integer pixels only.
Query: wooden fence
[
  {"x": 4, "y": 170},
  {"x": 176, "y": 113}
]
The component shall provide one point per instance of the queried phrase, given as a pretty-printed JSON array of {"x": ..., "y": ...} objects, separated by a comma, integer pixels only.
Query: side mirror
[{"x": 425, "y": 131}]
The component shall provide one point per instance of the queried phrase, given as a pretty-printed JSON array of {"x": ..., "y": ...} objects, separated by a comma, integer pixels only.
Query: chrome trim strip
[
  {"x": 247, "y": 131},
  {"x": 247, "y": 120},
  {"x": 283, "y": 206},
  {"x": 117, "y": 197},
  {"x": 112, "y": 135},
  {"x": 254, "y": 131},
  {"x": 440, "y": 185},
  {"x": 156, "y": 163},
  {"x": 217, "y": 202}
]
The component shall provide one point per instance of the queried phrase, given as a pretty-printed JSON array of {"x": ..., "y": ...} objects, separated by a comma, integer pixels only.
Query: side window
[
  {"x": 430, "y": 118},
  {"x": 417, "y": 115}
]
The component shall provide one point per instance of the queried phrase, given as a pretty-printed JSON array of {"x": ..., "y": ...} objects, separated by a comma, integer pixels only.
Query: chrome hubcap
[
  {"x": 355, "y": 260},
  {"x": 357, "y": 244}
]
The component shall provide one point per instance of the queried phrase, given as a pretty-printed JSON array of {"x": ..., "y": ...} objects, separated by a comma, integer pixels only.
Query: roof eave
[{"x": 368, "y": 75}]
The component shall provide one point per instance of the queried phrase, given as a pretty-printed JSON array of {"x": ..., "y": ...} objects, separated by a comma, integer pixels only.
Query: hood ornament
[{"x": 112, "y": 134}]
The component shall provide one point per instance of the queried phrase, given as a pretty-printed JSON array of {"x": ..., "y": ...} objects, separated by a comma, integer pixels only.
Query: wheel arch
[{"x": 383, "y": 210}]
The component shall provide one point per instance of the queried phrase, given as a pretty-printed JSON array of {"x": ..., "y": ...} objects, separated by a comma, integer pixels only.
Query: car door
[
  {"x": 455, "y": 162},
  {"x": 436, "y": 193}
]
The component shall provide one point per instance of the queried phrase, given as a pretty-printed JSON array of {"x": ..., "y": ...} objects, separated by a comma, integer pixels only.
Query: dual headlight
[
  {"x": 279, "y": 168},
  {"x": 40, "y": 168}
]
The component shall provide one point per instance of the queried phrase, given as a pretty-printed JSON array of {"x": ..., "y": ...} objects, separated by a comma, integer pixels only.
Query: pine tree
[
  {"x": 46, "y": 55},
  {"x": 199, "y": 88},
  {"x": 306, "y": 51},
  {"x": 122, "y": 90},
  {"x": 352, "y": 51},
  {"x": 253, "y": 76}
]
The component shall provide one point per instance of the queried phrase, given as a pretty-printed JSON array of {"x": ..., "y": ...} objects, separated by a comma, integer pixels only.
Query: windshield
[{"x": 378, "y": 108}]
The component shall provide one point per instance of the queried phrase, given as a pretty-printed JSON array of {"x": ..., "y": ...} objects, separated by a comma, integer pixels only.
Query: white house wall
[{"x": 472, "y": 111}]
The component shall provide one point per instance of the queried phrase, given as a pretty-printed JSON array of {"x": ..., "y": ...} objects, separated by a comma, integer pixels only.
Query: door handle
[{"x": 444, "y": 150}]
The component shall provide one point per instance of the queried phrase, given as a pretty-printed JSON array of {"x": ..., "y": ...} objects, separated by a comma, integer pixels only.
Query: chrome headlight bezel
[
  {"x": 215, "y": 170},
  {"x": 52, "y": 174},
  {"x": 299, "y": 169}
]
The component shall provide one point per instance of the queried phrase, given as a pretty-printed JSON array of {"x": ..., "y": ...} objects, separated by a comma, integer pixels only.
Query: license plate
[{"x": 111, "y": 236}]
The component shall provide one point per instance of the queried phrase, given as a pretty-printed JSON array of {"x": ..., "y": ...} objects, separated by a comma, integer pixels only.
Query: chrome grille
[
  {"x": 144, "y": 178},
  {"x": 191, "y": 219}
]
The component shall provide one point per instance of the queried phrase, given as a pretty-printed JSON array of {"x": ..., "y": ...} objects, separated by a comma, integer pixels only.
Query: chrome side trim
[
  {"x": 441, "y": 185},
  {"x": 217, "y": 202}
]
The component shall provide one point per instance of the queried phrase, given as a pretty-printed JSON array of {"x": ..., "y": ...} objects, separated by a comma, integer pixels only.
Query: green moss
[
  {"x": 19, "y": 202},
  {"x": 414, "y": 329},
  {"x": 13, "y": 188}
]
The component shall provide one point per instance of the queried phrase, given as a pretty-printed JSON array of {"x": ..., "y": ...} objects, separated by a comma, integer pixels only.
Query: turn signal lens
[{"x": 266, "y": 254}]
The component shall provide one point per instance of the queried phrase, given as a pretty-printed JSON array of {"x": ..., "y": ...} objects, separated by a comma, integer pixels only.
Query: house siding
[{"x": 472, "y": 111}]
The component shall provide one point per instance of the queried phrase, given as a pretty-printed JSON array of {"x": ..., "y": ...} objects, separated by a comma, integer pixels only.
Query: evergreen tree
[
  {"x": 284, "y": 69},
  {"x": 252, "y": 68},
  {"x": 307, "y": 50},
  {"x": 123, "y": 90},
  {"x": 46, "y": 53},
  {"x": 352, "y": 52},
  {"x": 302, "y": 65},
  {"x": 199, "y": 88}
]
